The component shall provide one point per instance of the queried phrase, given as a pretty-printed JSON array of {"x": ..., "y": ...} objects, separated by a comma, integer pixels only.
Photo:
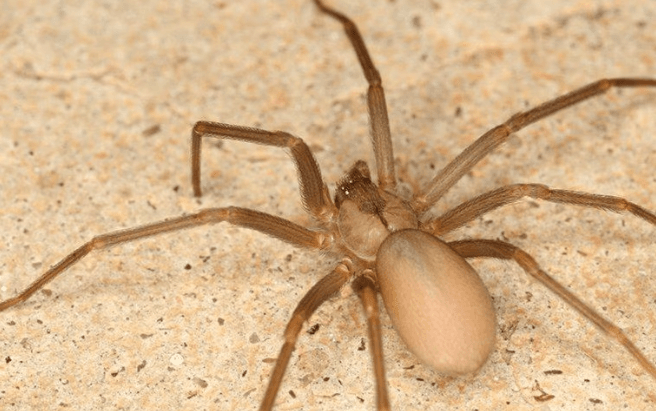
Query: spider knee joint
[
  {"x": 538, "y": 191},
  {"x": 291, "y": 141},
  {"x": 325, "y": 241}
]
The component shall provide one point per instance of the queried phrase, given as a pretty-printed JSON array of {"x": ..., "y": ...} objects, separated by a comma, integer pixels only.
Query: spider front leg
[
  {"x": 506, "y": 251},
  {"x": 469, "y": 210},
  {"x": 378, "y": 119},
  {"x": 274, "y": 226},
  {"x": 318, "y": 294},
  {"x": 493, "y": 138},
  {"x": 314, "y": 192},
  {"x": 365, "y": 286}
]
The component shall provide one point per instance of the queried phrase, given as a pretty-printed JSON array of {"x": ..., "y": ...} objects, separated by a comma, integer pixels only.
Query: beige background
[{"x": 133, "y": 328}]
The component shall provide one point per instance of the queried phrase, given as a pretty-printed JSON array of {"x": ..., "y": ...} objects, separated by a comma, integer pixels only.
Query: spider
[{"x": 357, "y": 180}]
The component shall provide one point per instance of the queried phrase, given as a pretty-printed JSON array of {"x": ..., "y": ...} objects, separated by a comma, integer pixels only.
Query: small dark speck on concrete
[
  {"x": 200, "y": 382},
  {"x": 151, "y": 130},
  {"x": 221, "y": 321},
  {"x": 293, "y": 395},
  {"x": 141, "y": 366},
  {"x": 254, "y": 338}
]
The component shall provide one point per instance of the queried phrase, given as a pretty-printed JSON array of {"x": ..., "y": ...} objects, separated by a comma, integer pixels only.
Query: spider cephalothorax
[{"x": 368, "y": 214}]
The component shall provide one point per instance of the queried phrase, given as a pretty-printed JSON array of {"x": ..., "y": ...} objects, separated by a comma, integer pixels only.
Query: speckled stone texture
[{"x": 96, "y": 104}]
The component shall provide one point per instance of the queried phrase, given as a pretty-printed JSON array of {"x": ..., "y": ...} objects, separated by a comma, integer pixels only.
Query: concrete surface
[{"x": 191, "y": 320}]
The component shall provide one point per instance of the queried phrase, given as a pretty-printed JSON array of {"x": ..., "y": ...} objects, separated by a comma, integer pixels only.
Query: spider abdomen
[{"x": 437, "y": 302}]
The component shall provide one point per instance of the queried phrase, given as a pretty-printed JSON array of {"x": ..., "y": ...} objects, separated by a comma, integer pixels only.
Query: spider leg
[
  {"x": 486, "y": 143},
  {"x": 314, "y": 192},
  {"x": 318, "y": 294},
  {"x": 274, "y": 226},
  {"x": 503, "y": 250},
  {"x": 366, "y": 289},
  {"x": 378, "y": 119},
  {"x": 502, "y": 196}
]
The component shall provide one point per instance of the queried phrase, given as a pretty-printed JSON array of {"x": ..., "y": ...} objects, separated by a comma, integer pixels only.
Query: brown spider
[{"x": 374, "y": 203}]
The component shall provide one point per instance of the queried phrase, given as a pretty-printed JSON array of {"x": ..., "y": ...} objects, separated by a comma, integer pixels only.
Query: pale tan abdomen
[{"x": 437, "y": 302}]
